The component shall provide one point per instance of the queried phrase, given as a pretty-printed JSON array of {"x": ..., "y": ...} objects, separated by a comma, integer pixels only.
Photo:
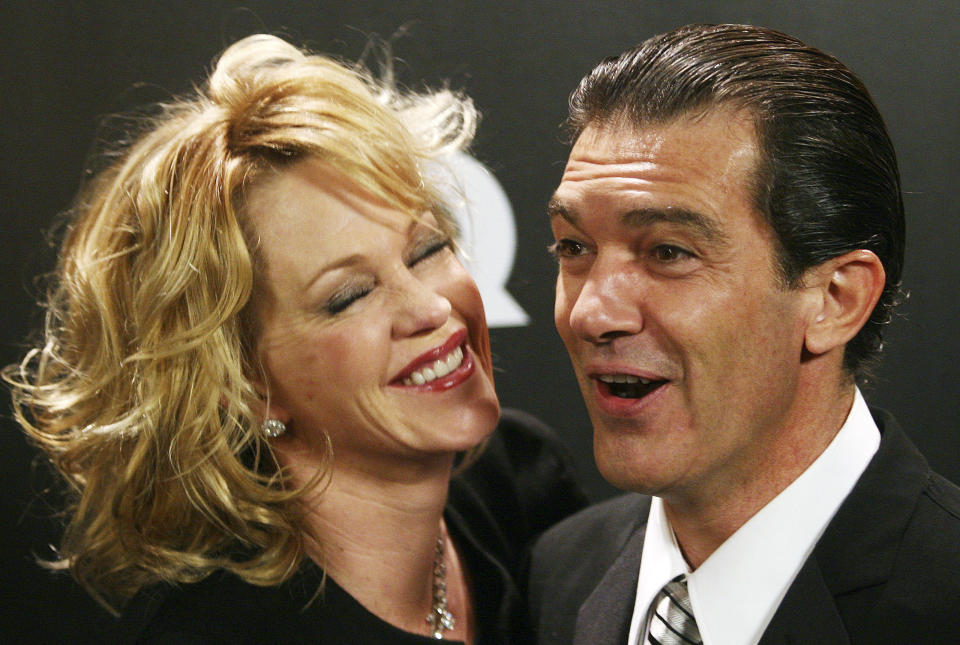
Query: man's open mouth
[{"x": 627, "y": 386}]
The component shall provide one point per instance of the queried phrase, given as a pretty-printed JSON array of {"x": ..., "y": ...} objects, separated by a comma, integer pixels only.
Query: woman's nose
[{"x": 421, "y": 308}]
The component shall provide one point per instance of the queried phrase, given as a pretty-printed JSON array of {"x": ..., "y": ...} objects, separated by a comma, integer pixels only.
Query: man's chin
[{"x": 625, "y": 469}]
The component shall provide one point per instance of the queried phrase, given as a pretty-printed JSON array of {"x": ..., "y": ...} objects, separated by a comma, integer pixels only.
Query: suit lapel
[
  {"x": 808, "y": 612},
  {"x": 857, "y": 550},
  {"x": 605, "y": 615}
]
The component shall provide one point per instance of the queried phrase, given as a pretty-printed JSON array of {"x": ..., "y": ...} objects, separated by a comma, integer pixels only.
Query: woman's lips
[{"x": 440, "y": 368}]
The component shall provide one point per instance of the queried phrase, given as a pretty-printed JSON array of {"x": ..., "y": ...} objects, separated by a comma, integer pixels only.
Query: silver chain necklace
[{"x": 440, "y": 618}]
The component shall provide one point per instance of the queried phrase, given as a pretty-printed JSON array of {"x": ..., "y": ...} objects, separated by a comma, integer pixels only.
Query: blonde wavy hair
[{"x": 140, "y": 391}]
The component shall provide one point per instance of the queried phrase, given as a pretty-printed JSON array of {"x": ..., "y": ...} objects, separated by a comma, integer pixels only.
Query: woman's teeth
[{"x": 437, "y": 369}]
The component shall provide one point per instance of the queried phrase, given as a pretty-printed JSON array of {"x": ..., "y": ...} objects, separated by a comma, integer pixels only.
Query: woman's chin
[{"x": 468, "y": 428}]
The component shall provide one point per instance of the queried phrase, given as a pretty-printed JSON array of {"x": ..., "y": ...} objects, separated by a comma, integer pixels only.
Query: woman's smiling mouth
[{"x": 440, "y": 368}]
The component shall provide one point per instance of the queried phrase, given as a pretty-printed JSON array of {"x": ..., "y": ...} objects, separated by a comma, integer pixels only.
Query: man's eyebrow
[
  {"x": 703, "y": 225},
  {"x": 556, "y": 208},
  {"x": 640, "y": 217}
]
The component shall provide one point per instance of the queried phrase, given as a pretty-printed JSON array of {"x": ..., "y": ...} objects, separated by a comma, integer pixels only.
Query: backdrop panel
[{"x": 67, "y": 65}]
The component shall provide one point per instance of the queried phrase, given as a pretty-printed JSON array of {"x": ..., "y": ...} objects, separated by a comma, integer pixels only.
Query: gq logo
[{"x": 488, "y": 234}]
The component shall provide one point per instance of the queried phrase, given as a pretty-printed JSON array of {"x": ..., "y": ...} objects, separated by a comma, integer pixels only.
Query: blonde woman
[{"x": 262, "y": 364}]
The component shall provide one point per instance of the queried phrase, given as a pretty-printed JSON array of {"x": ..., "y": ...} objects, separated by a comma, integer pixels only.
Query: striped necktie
[{"x": 671, "y": 620}]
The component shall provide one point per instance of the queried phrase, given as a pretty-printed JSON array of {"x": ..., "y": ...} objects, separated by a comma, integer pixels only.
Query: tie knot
[{"x": 670, "y": 620}]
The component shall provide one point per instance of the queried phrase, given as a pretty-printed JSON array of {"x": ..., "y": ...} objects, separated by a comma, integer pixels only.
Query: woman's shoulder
[
  {"x": 524, "y": 478},
  {"x": 524, "y": 445},
  {"x": 219, "y": 609},
  {"x": 223, "y": 608}
]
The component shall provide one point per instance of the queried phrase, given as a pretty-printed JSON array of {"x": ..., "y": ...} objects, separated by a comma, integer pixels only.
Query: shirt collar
[{"x": 736, "y": 591}]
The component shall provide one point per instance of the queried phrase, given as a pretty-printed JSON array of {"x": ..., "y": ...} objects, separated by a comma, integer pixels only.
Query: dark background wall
[{"x": 68, "y": 64}]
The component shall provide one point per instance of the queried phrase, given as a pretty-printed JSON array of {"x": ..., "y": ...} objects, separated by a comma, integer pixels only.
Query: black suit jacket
[{"x": 886, "y": 570}]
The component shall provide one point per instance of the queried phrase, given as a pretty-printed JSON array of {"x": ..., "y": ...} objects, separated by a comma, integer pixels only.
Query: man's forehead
[
  {"x": 713, "y": 151},
  {"x": 625, "y": 139},
  {"x": 695, "y": 171}
]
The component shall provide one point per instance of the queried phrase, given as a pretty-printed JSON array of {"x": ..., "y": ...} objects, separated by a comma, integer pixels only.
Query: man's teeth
[
  {"x": 627, "y": 386},
  {"x": 623, "y": 378},
  {"x": 437, "y": 369}
]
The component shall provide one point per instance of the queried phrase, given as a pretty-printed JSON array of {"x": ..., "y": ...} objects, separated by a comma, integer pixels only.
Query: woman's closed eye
[
  {"x": 429, "y": 248},
  {"x": 346, "y": 297},
  {"x": 351, "y": 293}
]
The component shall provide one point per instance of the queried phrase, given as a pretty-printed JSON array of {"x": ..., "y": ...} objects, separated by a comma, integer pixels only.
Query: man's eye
[
  {"x": 343, "y": 299},
  {"x": 566, "y": 248},
  {"x": 668, "y": 253}
]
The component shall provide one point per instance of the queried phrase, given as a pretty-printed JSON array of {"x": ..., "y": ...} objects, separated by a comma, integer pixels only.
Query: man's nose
[{"x": 609, "y": 304}]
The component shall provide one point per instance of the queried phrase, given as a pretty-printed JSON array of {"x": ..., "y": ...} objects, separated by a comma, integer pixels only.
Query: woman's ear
[
  {"x": 849, "y": 287},
  {"x": 273, "y": 411},
  {"x": 266, "y": 406}
]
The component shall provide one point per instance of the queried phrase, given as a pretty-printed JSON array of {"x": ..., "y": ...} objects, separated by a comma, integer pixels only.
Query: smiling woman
[
  {"x": 357, "y": 296},
  {"x": 263, "y": 362}
]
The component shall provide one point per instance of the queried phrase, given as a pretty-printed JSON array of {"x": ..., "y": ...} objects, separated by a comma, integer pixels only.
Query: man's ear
[{"x": 848, "y": 287}]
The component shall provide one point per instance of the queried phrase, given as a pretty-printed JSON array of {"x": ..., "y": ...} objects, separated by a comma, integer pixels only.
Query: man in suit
[{"x": 729, "y": 231}]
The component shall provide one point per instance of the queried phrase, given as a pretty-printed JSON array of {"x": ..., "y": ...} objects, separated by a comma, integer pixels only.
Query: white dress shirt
[{"x": 737, "y": 590}]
